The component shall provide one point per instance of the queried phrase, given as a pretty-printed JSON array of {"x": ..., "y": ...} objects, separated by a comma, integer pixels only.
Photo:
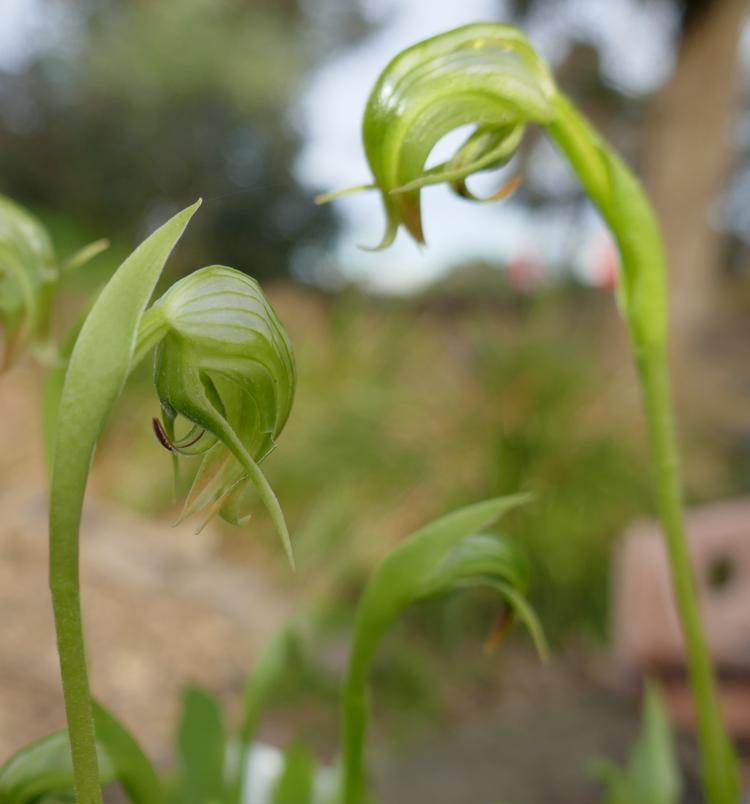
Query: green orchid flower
[
  {"x": 487, "y": 75},
  {"x": 225, "y": 364}
]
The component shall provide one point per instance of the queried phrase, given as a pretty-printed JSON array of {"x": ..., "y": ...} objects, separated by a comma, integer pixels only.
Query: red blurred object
[
  {"x": 525, "y": 273},
  {"x": 605, "y": 271}
]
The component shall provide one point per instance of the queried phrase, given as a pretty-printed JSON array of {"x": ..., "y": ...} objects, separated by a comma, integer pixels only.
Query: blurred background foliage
[{"x": 140, "y": 107}]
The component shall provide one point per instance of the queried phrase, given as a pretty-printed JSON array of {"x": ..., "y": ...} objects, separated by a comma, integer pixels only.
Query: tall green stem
[
  {"x": 71, "y": 649},
  {"x": 69, "y": 477},
  {"x": 720, "y": 780},
  {"x": 619, "y": 197}
]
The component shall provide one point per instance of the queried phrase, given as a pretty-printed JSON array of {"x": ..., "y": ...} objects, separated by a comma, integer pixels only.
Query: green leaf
[
  {"x": 296, "y": 783},
  {"x": 202, "y": 743},
  {"x": 132, "y": 768},
  {"x": 54, "y": 380},
  {"x": 652, "y": 775},
  {"x": 101, "y": 361},
  {"x": 45, "y": 768},
  {"x": 84, "y": 255},
  {"x": 268, "y": 672},
  {"x": 445, "y": 555}
]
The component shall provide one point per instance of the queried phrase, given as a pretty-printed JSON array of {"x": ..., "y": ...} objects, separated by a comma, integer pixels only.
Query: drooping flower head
[
  {"x": 487, "y": 75},
  {"x": 224, "y": 363}
]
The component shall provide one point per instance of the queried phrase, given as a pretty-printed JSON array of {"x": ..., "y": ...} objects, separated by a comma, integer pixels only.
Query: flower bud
[{"x": 224, "y": 363}]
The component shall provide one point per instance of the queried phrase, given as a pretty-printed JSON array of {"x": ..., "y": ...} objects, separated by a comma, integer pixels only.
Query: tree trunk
[{"x": 688, "y": 156}]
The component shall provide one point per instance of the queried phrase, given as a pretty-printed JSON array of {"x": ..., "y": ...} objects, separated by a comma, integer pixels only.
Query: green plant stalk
[
  {"x": 638, "y": 237},
  {"x": 99, "y": 365},
  {"x": 71, "y": 649},
  {"x": 714, "y": 742}
]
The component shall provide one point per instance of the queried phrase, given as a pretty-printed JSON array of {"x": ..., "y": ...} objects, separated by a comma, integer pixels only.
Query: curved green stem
[
  {"x": 98, "y": 368},
  {"x": 72, "y": 652},
  {"x": 355, "y": 707},
  {"x": 65, "y": 586},
  {"x": 617, "y": 194}
]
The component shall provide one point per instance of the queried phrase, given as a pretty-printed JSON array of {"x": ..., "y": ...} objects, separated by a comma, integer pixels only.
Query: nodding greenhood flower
[
  {"x": 225, "y": 364},
  {"x": 485, "y": 74},
  {"x": 489, "y": 75},
  {"x": 28, "y": 278}
]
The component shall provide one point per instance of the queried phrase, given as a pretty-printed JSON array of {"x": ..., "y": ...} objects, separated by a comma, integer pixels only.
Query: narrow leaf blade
[
  {"x": 132, "y": 768},
  {"x": 202, "y": 742},
  {"x": 441, "y": 556},
  {"x": 296, "y": 783},
  {"x": 44, "y": 767}
]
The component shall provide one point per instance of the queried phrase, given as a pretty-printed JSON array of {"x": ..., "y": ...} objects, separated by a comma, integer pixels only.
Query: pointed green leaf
[
  {"x": 269, "y": 670},
  {"x": 296, "y": 783},
  {"x": 652, "y": 775},
  {"x": 442, "y": 556},
  {"x": 202, "y": 743},
  {"x": 132, "y": 768},
  {"x": 45, "y": 768}
]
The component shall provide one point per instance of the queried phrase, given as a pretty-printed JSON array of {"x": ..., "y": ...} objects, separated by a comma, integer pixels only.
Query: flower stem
[
  {"x": 70, "y": 645},
  {"x": 643, "y": 297},
  {"x": 719, "y": 773}
]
